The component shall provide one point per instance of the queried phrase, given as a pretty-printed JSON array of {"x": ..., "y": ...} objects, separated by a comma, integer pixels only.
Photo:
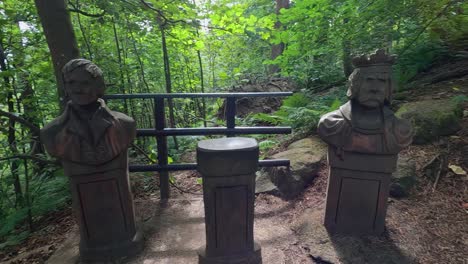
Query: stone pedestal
[
  {"x": 103, "y": 206},
  {"x": 228, "y": 167},
  {"x": 358, "y": 188}
]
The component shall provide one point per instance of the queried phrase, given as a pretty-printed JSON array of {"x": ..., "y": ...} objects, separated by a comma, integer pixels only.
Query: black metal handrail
[
  {"x": 161, "y": 132},
  {"x": 196, "y": 95}
]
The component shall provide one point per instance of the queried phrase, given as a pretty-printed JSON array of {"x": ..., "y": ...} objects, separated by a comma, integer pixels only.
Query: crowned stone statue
[
  {"x": 364, "y": 138},
  {"x": 365, "y": 123}
]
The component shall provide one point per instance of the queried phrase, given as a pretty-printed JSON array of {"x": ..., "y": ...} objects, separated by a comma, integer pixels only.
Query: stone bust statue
[
  {"x": 87, "y": 132},
  {"x": 92, "y": 142},
  {"x": 365, "y": 123}
]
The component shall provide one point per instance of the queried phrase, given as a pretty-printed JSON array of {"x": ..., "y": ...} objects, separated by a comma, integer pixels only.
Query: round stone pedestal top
[{"x": 227, "y": 144}]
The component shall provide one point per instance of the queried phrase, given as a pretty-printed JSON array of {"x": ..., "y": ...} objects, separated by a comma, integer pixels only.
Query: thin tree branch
[
  {"x": 84, "y": 13},
  {"x": 143, "y": 153},
  {"x": 161, "y": 15},
  {"x": 31, "y": 157},
  {"x": 21, "y": 120},
  {"x": 151, "y": 7}
]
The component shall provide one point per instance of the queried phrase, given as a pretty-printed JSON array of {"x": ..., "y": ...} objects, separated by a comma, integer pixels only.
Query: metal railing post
[
  {"x": 230, "y": 114},
  {"x": 160, "y": 124}
]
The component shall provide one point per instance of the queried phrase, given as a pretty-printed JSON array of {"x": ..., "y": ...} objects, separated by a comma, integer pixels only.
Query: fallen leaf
[
  {"x": 457, "y": 170},
  {"x": 465, "y": 206}
]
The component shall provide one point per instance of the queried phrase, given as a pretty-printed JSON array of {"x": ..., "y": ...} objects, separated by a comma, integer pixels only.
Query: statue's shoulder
[
  {"x": 127, "y": 123},
  {"x": 51, "y": 129},
  {"x": 403, "y": 129},
  {"x": 401, "y": 124},
  {"x": 399, "y": 131},
  {"x": 49, "y": 133},
  {"x": 334, "y": 127},
  {"x": 336, "y": 119},
  {"x": 334, "y": 116},
  {"x": 124, "y": 119}
]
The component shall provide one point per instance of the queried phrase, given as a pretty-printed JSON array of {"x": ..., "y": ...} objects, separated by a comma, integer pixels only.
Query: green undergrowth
[
  {"x": 302, "y": 111},
  {"x": 48, "y": 192}
]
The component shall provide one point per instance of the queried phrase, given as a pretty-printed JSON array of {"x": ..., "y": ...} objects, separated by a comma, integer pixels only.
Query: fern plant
[{"x": 303, "y": 112}]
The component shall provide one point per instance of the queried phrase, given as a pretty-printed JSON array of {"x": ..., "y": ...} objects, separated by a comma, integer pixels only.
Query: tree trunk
[
  {"x": 347, "y": 61},
  {"x": 11, "y": 130},
  {"x": 277, "y": 49},
  {"x": 119, "y": 57},
  {"x": 60, "y": 37},
  {"x": 85, "y": 39},
  {"x": 167, "y": 75},
  {"x": 202, "y": 84},
  {"x": 149, "y": 104}
]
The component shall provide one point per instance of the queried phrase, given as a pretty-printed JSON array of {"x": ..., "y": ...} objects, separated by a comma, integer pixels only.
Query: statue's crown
[{"x": 379, "y": 58}]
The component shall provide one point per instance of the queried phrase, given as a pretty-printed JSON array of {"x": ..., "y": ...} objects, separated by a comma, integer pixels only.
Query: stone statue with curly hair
[{"x": 92, "y": 141}]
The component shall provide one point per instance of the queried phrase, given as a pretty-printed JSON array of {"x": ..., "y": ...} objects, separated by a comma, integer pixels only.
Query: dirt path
[{"x": 428, "y": 227}]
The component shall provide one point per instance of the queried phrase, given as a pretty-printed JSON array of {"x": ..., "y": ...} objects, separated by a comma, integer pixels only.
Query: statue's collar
[
  {"x": 91, "y": 130},
  {"x": 347, "y": 112}
]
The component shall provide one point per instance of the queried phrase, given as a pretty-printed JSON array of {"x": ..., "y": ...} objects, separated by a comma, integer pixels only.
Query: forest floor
[{"x": 429, "y": 226}]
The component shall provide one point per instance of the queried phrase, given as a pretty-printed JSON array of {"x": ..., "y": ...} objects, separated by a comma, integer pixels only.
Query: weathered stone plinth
[
  {"x": 104, "y": 210},
  {"x": 228, "y": 167},
  {"x": 358, "y": 188}
]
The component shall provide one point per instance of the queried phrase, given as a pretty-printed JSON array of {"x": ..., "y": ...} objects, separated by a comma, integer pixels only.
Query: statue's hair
[
  {"x": 356, "y": 79},
  {"x": 89, "y": 67}
]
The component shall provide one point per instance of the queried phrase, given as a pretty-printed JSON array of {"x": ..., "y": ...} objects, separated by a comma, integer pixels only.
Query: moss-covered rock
[
  {"x": 404, "y": 178},
  {"x": 305, "y": 156},
  {"x": 432, "y": 118}
]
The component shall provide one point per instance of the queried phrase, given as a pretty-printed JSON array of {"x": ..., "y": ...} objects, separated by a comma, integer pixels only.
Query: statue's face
[
  {"x": 372, "y": 91},
  {"x": 81, "y": 87}
]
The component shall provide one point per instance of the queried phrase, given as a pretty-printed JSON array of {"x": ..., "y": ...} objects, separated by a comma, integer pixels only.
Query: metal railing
[{"x": 161, "y": 132}]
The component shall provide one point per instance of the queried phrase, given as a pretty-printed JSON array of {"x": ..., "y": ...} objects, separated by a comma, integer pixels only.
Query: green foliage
[
  {"x": 14, "y": 240},
  {"x": 300, "y": 118},
  {"x": 266, "y": 144},
  {"x": 296, "y": 100},
  {"x": 267, "y": 118},
  {"x": 459, "y": 99},
  {"x": 200, "y": 181},
  {"x": 417, "y": 59},
  {"x": 319, "y": 35},
  {"x": 302, "y": 112},
  {"x": 49, "y": 193}
]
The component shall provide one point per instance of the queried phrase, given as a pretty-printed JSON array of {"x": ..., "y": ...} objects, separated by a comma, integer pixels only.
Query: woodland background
[{"x": 148, "y": 46}]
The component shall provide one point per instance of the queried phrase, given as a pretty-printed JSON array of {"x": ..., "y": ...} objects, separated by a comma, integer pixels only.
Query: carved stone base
[
  {"x": 358, "y": 188},
  {"x": 126, "y": 249},
  {"x": 254, "y": 257},
  {"x": 103, "y": 206}
]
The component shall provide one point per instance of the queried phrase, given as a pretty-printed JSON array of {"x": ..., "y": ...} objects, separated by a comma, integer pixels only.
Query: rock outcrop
[
  {"x": 305, "y": 156},
  {"x": 432, "y": 118},
  {"x": 266, "y": 105},
  {"x": 404, "y": 178}
]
